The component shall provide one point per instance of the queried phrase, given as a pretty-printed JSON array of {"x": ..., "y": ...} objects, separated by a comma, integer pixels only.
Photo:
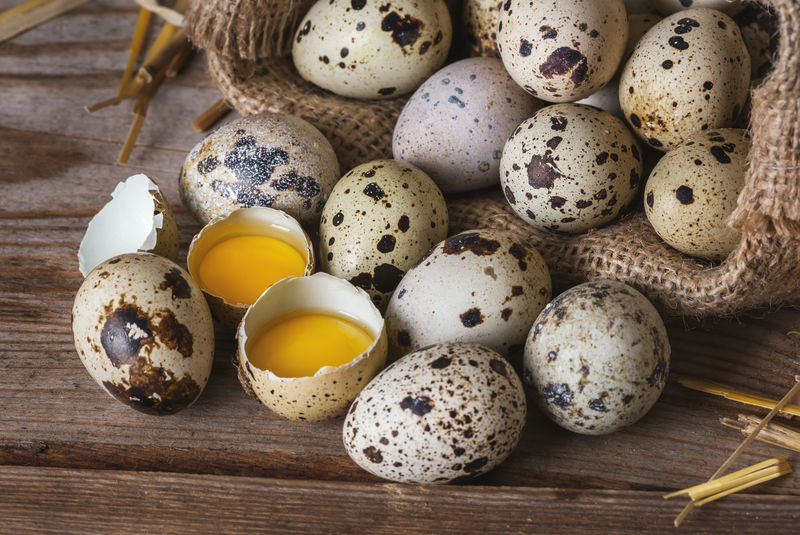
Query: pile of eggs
[{"x": 563, "y": 108}]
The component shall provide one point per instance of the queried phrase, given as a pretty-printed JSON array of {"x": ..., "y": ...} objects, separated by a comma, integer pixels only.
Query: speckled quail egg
[
  {"x": 690, "y": 72},
  {"x": 562, "y": 50},
  {"x": 570, "y": 168},
  {"x": 480, "y": 286},
  {"x": 270, "y": 159},
  {"x": 381, "y": 217},
  {"x": 144, "y": 333},
  {"x": 668, "y": 7},
  {"x": 370, "y": 48},
  {"x": 480, "y": 22},
  {"x": 597, "y": 357},
  {"x": 136, "y": 219},
  {"x": 455, "y": 125},
  {"x": 638, "y": 25},
  {"x": 759, "y": 27},
  {"x": 694, "y": 188},
  {"x": 445, "y": 413}
]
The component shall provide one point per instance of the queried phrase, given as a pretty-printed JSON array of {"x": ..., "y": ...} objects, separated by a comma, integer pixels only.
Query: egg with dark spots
[
  {"x": 445, "y": 413},
  {"x": 144, "y": 332},
  {"x": 480, "y": 286},
  {"x": 690, "y": 71},
  {"x": 380, "y": 218},
  {"x": 270, "y": 159},
  {"x": 383, "y": 49},
  {"x": 693, "y": 190},
  {"x": 759, "y": 26},
  {"x": 562, "y": 51},
  {"x": 455, "y": 125},
  {"x": 570, "y": 168},
  {"x": 668, "y": 7},
  {"x": 480, "y": 19},
  {"x": 597, "y": 358}
]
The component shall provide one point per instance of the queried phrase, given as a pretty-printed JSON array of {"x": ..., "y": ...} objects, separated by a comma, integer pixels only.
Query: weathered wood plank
[{"x": 81, "y": 501}]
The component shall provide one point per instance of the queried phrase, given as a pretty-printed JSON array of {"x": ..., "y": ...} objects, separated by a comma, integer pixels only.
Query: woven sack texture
[{"x": 764, "y": 270}]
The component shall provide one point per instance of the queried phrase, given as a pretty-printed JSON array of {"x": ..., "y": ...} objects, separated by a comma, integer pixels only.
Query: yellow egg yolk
[
  {"x": 299, "y": 344},
  {"x": 239, "y": 269}
]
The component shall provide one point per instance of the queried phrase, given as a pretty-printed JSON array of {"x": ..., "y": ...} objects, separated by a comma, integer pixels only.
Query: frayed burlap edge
[{"x": 763, "y": 272}]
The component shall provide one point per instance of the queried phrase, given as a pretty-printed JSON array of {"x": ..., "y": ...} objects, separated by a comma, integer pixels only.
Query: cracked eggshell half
[
  {"x": 481, "y": 286},
  {"x": 144, "y": 332},
  {"x": 136, "y": 219},
  {"x": 597, "y": 357},
  {"x": 445, "y": 413},
  {"x": 329, "y": 392},
  {"x": 270, "y": 159},
  {"x": 372, "y": 49},
  {"x": 259, "y": 221}
]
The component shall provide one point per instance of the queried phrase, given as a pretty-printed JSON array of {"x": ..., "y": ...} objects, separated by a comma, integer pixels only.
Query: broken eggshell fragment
[
  {"x": 259, "y": 221},
  {"x": 144, "y": 332},
  {"x": 328, "y": 392},
  {"x": 136, "y": 219}
]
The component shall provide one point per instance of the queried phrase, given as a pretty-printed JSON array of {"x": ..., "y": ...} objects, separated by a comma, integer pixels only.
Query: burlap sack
[{"x": 764, "y": 271}]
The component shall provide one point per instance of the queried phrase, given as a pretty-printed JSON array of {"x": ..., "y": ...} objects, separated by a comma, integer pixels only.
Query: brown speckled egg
[
  {"x": 273, "y": 160},
  {"x": 144, "y": 333},
  {"x": 445, "y": 413},
  {"x": 759, "y": 27},
  {"x": 597, "y": 358},
  {"x": 481, "y": 286},
  {"x": 668, "y": 7},
  {"x": 690, "y": 72},
  {"x": 372, "y": 48},
  {"x": 455, "y": 125},
  {"x": 480, "y": 22},
  {"x": 694, "y": 188},
  {"x": 570, "y": 168},
  {"x": 380, "y": 218},
  {"x": 562, "y": 50}
]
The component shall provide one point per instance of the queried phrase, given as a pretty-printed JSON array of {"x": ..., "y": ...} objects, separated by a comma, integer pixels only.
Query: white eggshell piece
[
  {"x": 690, "y": 72},
  {"x": 136, "y": 219},
  {"x": 329, "y": 392},
  {"x": 445, "y": 413},
  {"x": 570, "y": 168},
  {"x": 562, "y": 50},
  {"x": 144, "y": 332},
  {"x": 455, "y": 125},
  {"x": 372, "y": 49},
  {"x": 381, "y": 217},
  {"x": 597, "y": 357},
  {"x": 481, "y": 286},
  {"x": 694, "y": 189}
]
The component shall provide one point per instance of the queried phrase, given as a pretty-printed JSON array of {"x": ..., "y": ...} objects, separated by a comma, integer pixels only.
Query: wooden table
[{"x": 74, "y": 460}]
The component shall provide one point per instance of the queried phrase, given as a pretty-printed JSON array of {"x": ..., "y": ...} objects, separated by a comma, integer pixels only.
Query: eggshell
[
  {"x": 690, "y": 72},
  {"x": 372, "y": 49},
  {"x": 597, "y": 358},
  {"x": 562, "y": 50},
  {"x": 254, "y": 221},
  {"x": 455, "y": 125},
  {"x": 329, "y": 392},
  {"x": 381, "y": 217},
  {"x": 480, "y": 19},
  {"x": 638, "y": 25},
  {"x": 445, "y": 413},
  {"x": 694, "y": 188},
  {"x": 480, "y": 286},
  {"x": 144, "y": 333},
  {"x": 570, "y": 168},
  {"x": 668, "y": 7},
  {"x": 273, "y": 160}
]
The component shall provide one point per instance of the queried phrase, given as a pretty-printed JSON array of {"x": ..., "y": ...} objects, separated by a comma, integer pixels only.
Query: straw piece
[
  {"x": 711, "y": 487},
  {"x": 209, "y": 117},
  {"x": 775, "y": 434},
  {"x": 770, "y": 473},
  {"x": 28, "y": 14},
  {"x": 176, "y": 65},
  {"x": 732, "y": 394},
  {"x": 139, "y": 35}
]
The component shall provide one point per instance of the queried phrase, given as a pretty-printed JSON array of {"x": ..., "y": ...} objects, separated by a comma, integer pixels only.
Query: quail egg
[
  {"x": 445, "y": 413},
  {"x": 668, "y": 7},
  {"x": 480, "y": 20},
  {"x": 597, "y": 357},
  {"x": 694, "y": 188}
]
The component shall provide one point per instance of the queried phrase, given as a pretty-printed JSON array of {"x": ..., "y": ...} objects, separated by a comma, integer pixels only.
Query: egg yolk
[
  {"x": 239, "y": 269},
  {"x": 298, "y": 345}
]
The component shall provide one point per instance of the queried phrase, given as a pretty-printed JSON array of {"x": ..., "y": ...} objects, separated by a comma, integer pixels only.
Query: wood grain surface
[{"x": 57, "y": 169}]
